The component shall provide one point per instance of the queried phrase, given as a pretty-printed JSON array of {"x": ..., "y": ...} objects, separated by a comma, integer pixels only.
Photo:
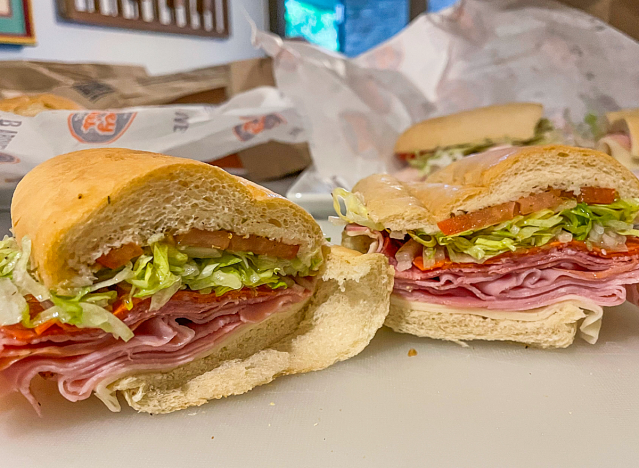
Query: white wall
[{"x": 160, "y": 53}]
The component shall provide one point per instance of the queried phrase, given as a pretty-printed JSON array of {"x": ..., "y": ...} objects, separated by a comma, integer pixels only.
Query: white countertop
[{"x": 488, "y": 405}]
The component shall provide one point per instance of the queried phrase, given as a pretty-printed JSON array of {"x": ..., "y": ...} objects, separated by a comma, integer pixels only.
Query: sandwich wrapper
[
  {"x": 205, "y": 133},
  {"x": 475, "y": 54}
]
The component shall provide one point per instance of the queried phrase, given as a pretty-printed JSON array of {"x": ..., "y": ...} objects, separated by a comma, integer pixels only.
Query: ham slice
[
  {"x": 524, "y": 282},
  {"x": 178, "y": 333},
  {"x": 622, "y": 139}
]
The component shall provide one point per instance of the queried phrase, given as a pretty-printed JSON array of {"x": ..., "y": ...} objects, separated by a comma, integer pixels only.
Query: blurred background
[{"x": 106, "y": 56}]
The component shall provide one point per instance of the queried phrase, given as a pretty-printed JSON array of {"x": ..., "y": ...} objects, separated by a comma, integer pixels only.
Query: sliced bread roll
[
  {"x": 349, "y": 305},
  {"x": 120, "y": 196},
  {"x": 489, "y": 179},
  {"x": 516, "y": 120},
  {"x": 31, "y": 105},
  {"x": 442, "y": 291},
  {"x": 553, "y": 326},
  {"x": 179, "y": 320}
]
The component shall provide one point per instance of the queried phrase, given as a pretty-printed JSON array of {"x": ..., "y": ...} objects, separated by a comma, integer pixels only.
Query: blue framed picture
[{"x": 16, "y": 22}]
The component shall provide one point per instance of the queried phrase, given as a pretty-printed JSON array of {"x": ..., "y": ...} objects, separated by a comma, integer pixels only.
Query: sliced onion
[
  {"x": 596, "y": 233},
  {"x": 606, "y": 239},
  {"x": 613, "y": 241},
  {"x": 407, "y": 253},
  {"x": 440, "y": 254},
  {"x": 429, "y": 260},
  {"x": 397, "y": 235},
  {"x": 564, "y": 237},
  {"x": 378, "y": 238}
]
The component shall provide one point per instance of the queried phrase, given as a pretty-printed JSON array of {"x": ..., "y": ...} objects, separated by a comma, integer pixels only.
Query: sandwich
[
  {"x": 32, "y": 105},
  {"x": 435, "y": 143},
  {"x": 172, "y": 282},
  {"x": 520, "y": 244},
  {"x": 622, "y": 138}
]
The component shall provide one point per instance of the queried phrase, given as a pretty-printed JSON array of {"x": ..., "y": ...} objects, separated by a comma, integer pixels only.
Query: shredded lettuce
[
  {"x": 13, "y": 305},
  {"x": 85, "y": 310},
  {"x": 9, "y": 256},
  {"x": 356, "y": 212},
  {"x": 22, "y": 278},
  {"x": 428, "y": 162},
  {"x": 229, "y": 271},
  {"x": 534, "y": 230},
  {"x": 159, "y": 273}
]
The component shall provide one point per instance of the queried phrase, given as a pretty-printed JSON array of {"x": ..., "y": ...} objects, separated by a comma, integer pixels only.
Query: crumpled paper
[
  {"x": 478, "y": 53},
  {"x": 205, "y": 133}
]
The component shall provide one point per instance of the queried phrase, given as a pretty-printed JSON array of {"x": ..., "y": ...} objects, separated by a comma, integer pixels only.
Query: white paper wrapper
[
  {"x": 480, "y": 53},
  {"x": 205, "y": 133}
]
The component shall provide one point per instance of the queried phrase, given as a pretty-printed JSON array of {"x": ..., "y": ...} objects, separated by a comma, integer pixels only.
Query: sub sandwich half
[
  {"x": 435, "y": 143},
  {"x": 172, "y": 282},
  {"x": 622, "y": 138},
  {"x": 32, "y": 105},
  {"x": 520, "y": 245}
]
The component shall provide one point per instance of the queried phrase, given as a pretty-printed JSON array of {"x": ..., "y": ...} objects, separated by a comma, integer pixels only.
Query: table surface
[{"x": 487, "y": 405}]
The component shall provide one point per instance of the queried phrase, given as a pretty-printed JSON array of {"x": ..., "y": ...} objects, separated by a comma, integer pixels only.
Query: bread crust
[
  {"x": 57, "y": 199},
  {"x": 348, "y": 307},
  {"x": 516, "y": 120},
  {"x": 556, "y": 331},
  {"x": 489, "y": 179},
  {"x": 31, "y": 105}
]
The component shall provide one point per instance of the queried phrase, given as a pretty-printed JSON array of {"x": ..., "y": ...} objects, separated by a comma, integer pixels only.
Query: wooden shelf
[{"x": 206, "y": 18}]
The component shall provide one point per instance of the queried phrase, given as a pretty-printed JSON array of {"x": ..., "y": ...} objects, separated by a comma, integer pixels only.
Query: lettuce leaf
[
  {"x": 535, "y": 230},
  {"x": 428, "y": 162},
  {"x": 355, "y": 210},
  {"x": 9, "y": 256},
  {"x": 13, "y": 305},
  {"x": 159, "y": 273},
  {"x": 230, "y": 271},
  {"x": 84, "y": 310}
]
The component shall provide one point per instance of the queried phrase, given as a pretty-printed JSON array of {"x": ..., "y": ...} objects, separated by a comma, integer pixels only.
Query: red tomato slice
[
  {"x": 526, "y": 205},
  {"x": 596, "y": 196},
  {"x": 263, "y": 246},
  {"x": 209, "y": 239},
  {"x": 119, "y": 257},
  {"x": 419, "y": 263},
  {"x": 541, "y": 201},
  {"x": 479, "y": 219},
  {"x": 224, "y": 240}
]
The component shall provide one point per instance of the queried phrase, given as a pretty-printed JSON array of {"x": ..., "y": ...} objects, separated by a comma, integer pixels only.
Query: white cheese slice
[{"x": 589, "y": 328}]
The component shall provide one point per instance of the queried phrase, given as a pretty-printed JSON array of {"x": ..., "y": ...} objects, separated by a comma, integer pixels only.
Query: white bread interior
[
  {"x": 515, "y": 120},
  {"x": 393, "y": 204},
  {"x": 32, "y": 105},
  {"x": 555, "y": 331},
  {"x": 76, "y": 207},
  {"x": 489, "y": 179},
  {"x": 348, "y": 307}
]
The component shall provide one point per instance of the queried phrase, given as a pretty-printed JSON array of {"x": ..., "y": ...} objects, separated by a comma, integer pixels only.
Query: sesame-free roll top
[{"x": 78, "y": 207}]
